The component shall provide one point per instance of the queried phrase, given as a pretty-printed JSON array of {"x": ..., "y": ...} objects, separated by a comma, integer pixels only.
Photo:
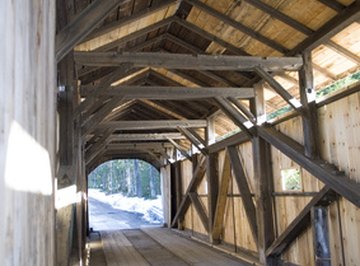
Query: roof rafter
[
  {"x": 162, "y": 109},
  {"x": 136, "y": 34},
  {"x": 280, "y": 16},
  {"x": 344, "y": 18},
  {"x": 304, "y": 29},
  {"x": 197, "y": 50},
  {"x": 333, "y": 4},
  {"x": 129, "y": 19},
  {"x": 209, "y": 36},
  {"x": 82, "y": 25},
  {"x": 239, "y": 26}
]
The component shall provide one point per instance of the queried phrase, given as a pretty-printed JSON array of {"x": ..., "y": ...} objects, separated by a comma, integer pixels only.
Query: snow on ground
[{"x": 151, "y": 209}]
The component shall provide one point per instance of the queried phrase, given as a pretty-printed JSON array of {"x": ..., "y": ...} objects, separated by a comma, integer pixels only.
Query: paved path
[{"x": 104, "y": 217}]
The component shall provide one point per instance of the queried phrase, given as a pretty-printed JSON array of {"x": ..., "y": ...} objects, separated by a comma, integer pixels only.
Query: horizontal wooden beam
[
  {"x": 145, "y": 137},
  {"x": 196, "y": 50},
  {"x": 322, "y": 170},
  {"x": 185, "y": 61},
  {"x": 132, "y": 154},
  {"x": 153, "y": 124},
  {"x": 138, "y": 146},
  {"x": 176, "y": 93},
  {"x": 82, "y": 25}
]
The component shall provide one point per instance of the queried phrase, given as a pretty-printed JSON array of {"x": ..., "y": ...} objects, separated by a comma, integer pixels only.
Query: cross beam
[
  {"x": 176, "y": 93},
  {"x": 153, "y": 124},
  {"x": 146, "y": 137},
  {"x": 139, "y": 146},
  {"x": 184, "y": 61}
]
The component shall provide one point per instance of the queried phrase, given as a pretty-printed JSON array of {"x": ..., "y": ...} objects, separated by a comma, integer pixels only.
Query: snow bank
[{"x": 151, "y": 209}]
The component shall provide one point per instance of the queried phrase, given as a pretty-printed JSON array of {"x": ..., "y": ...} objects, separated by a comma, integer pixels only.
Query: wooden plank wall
[
  {"x": 339, "y": 131},
  {"x": 27, "y": 132},
  {"x": 339, "y": 126}
]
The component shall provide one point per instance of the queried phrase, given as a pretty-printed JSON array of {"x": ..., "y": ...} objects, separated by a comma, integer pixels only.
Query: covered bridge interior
[{"x": 223, "y": 97}]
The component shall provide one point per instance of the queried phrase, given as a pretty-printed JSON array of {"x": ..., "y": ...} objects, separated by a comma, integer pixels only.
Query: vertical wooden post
[
  {"x": 309, "y": 117},
  {"x": 212, "y": 188},
  {"x": 173, "y": 191},
  {"x": 176, "y": 192},
  {"x": 178, "y": 186},
  {"x": 210, "y": 131},
  {"x": 319, "y": 219},
  {"x": 66, "y": 110},
  {"x": 195, "y": 161},
  {"x": 263, "y": 182}
]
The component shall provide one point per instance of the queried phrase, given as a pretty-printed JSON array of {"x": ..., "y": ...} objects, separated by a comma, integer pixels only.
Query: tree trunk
[
  {"x": 152, "y": 182},
  {"x": 129, "y": 179},
  {"x": 137, "y": 178}
]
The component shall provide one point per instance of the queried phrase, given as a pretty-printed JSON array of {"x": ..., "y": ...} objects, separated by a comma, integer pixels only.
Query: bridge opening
[{"x": 124, "y": 194}]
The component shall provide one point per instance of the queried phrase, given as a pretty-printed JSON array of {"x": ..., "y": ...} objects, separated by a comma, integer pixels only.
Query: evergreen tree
[
  {"x": 138, "y": 180},
  {"x": 129, "y": 177}
]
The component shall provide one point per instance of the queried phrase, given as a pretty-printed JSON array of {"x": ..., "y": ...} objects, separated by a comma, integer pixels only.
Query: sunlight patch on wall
[
  {"x": 28, "y": 165},
  {"x": 67, "y": 196}
]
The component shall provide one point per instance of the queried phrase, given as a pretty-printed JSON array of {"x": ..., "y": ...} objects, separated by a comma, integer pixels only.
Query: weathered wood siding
[
  {"x": 339, "y": 128},
  {"x": 27, "y": 132},
  {"x": 340, "y": 144}
]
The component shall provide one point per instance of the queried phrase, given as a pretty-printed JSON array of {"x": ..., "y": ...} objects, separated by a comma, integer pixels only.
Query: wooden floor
[{"x": 154, "y": 246}]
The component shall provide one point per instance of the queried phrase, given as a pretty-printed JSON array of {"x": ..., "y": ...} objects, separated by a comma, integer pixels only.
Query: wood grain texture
[
  {"x": 27, "y": 133},
  {"x": 183, "y": 61}
]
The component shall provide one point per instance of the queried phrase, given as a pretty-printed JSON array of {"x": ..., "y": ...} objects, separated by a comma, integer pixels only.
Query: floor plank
[
  {"x": 194, "y": 253},
  {"x": 158, "y": 247},
  {"x": 152, "y": 251},
  {"x": 97, "y": 256},
  {"x": 119, "y": 251}
]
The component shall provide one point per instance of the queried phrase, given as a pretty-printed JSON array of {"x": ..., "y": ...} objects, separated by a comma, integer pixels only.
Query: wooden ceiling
[{"x": 113, "y": 34}]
